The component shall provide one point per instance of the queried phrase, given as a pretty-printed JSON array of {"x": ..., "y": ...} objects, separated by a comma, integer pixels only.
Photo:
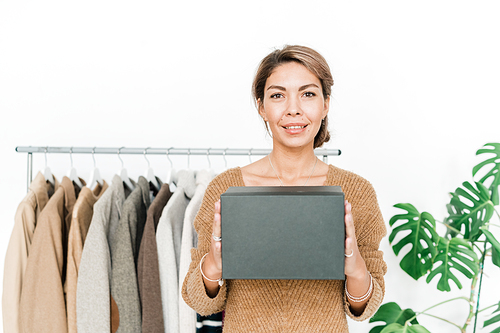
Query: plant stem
[
  {"x": 443, "y": 302},
  {"x": 474, "y": 243},
  {"x": 450, "y": 227},
  {"x": 496, "y": 211},
  {"x": 435, "y": 305},
  {"x": 481, "y": 266},
  {"x": 488, "y": 307},
  {"x": 471, "y": 300},
  {"x": 446, "y": 320}
]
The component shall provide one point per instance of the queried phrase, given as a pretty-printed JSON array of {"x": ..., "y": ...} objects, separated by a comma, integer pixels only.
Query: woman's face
[{"x": 293, "y": 105}]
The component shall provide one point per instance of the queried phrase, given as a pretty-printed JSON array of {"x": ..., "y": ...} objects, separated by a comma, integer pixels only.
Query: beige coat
[
  {"x": 80, "y": 223},
  {"x": 43, "y": 306},
  {"x": 18, "y": 249}
]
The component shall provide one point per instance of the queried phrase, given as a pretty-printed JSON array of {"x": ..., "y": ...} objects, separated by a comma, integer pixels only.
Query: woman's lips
[{"x": 294, "y": 128}]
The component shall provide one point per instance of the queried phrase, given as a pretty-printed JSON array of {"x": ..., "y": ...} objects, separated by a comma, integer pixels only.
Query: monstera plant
[{"x": 460, "y": 253}]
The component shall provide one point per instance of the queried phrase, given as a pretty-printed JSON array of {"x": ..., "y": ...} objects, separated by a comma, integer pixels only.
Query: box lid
[{"x": 283, "y": 190}]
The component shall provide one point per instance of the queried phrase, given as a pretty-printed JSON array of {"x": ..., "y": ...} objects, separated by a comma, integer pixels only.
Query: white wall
[{"x": 415, "y": 94}]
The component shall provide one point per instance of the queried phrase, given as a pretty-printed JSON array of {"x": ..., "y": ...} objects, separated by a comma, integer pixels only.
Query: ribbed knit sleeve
[
  {"x": 370, "y": 229},
  {"x": 193, "y": 288}
]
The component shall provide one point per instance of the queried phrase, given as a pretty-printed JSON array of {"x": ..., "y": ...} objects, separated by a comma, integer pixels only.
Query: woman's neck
[{"x": 293, "y": 165}]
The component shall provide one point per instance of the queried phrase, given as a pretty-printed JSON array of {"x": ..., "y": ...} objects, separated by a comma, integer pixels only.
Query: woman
[{"x": 292, "y": 90}]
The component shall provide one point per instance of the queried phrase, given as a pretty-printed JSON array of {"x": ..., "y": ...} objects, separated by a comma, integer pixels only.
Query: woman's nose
[{"x": 293, "y": 108}]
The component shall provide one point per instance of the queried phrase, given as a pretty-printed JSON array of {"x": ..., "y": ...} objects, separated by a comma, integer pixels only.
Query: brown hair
[{"x": 308, "y": 58}]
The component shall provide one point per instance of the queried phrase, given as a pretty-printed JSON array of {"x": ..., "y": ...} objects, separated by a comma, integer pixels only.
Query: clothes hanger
[
  {"x": 49, "y": 177},
  {"x": 72, "y": 175},
  {"x": 189, "y": 165},
  {"x": 150, "y": 175},
  {"x": 123, "y": 173},
  {"x": 171, "y": 174},
  {"x": 210, "y": 170},
  {"x": 95, "y": 175},
  {"x": 225, "y": 161}
]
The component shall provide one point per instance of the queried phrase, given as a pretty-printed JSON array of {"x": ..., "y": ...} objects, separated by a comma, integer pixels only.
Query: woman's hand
[
  {"x": 212, "y": 266},
  {"x": 357, "y": 277},
  {"x": 354, "y": 263}
]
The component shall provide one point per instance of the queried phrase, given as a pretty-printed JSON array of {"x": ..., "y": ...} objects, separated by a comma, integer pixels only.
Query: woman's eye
[
  {"x": 277, "y": 95},
  {"x": 309, "y": 94}
]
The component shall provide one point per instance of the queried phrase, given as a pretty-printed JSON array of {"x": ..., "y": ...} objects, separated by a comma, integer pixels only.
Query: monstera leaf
[
  {"x": 422, "y": 238},
  {"x": 495, "y": 246},
  {"x": 494, "y": 148},
  {"x": 391, "y": 313},
  {"x": 473, "y": 208},
  {"x": 454, "y": 254},
  {"x": 493, "y": 320},
  {"x": 453, "y": 212},
  {"x": 495, "y": 256}
]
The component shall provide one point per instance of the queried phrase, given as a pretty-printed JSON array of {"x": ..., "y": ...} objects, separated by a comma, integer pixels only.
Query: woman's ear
[
  {"x": 326, "y": 107},
  {"x": 262, "y": 112}
]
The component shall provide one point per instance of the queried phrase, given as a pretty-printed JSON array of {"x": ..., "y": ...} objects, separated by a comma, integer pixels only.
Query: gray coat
[
  {"x": 94, "y": 277},
  {"x": 124, "y": 252}
]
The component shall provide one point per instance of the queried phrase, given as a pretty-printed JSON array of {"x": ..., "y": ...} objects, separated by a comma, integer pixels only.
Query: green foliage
[
  {"x": 494, "y": 148},
  {"x": 472, "y": 217},
  {"x": 495, "y": 246},
  {"x": 495, "y": 257},
  {"x": 457, "y": 254},
  {"x": 423, "y": 237},
  {"x": 391, "y": 313},
  {"x": 470, "y": 209},
  {"x": 494, "y": 320}
]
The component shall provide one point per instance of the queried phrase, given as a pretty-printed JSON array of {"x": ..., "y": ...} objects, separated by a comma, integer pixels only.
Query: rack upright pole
[{"x": 30, "y": 170}]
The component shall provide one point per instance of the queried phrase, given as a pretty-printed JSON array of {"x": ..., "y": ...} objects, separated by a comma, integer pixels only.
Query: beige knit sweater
[{"x": 289, "y": 305}]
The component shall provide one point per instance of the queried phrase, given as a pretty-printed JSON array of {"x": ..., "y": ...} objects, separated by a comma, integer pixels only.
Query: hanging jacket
[
  {"x": 187, "y": 316},
  {"x": 16, "y": 258},
  {"x": 94, "y": 304},
  {"x": 43, "y": 306},
  {"x": 80, "y": 223},
  {"x": 148, "y": 271},
  {"x": 124, "y": 250},
  {"x": 168, "y": 239}
]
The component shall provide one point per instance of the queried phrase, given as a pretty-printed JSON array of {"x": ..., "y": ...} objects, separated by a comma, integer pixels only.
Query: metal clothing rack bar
[{"x": 30, "y": 150}]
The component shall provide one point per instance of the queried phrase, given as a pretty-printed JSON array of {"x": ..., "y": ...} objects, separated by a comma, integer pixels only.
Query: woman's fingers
[
  {"x": 216, "y": 227},
  {"x": 349, "y": 230},
  {"x": 216, "y": 232}
]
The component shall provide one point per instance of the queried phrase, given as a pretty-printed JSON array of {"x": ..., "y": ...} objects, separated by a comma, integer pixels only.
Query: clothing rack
[{"x": 30, "y": 150}]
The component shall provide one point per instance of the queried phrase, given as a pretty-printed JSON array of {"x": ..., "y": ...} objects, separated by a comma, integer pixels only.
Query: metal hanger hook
[
  {"x": 250, "y": 155},
  {"x": 145, "y": 152},
  {"x": 224, "y": 155},
  {"x": 119, "y": 149},
  {"x": 71, "y": 155},
  {"x": 93, "y": 157},
  {"x": 46, "y": 148},
  {"x": 168, "y": 156},
  {"x": 208, "y": 158},
  {"x": 189, "y": 154}
]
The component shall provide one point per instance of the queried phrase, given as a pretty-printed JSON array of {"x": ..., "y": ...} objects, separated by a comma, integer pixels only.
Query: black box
[{"x": 289, "y": 232}]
